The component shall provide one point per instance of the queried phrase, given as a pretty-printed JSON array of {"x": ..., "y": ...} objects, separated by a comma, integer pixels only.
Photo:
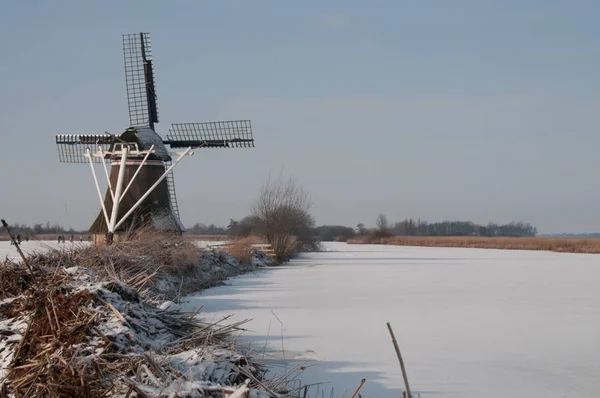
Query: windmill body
[
  {"x": 156, "y": 209},
  {"x": 138, "y": 164}
]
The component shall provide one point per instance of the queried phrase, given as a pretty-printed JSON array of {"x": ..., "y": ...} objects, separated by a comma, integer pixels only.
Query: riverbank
[
  {"x": 562, "y": 245},
  {"x": 98, "y": 321}
]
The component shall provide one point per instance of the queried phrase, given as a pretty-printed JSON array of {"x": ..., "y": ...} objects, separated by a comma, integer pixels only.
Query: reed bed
[
  {"x": 564, "y": 245},
  {"x": 83, "y": 324},
  {"x": 242, "y": 248}
]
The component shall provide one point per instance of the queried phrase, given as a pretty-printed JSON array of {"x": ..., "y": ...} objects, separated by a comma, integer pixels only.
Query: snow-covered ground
[
  {"x": 33, "y": 246},
  {"x": 209, "y": 243},
  {"x": 469, "y": 322}
]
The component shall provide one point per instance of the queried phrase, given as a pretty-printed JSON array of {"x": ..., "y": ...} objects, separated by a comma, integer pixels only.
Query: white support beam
[
  {"x": 177, "y": 153},
  {"x": 149, "y": 191},
  {"x": 118, "y": 189},
  {"x": 110, "y": 188},
  {"x": 89, "y": 156}
]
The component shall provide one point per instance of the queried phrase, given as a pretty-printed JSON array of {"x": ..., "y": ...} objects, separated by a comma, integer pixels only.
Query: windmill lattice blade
[
  {"x": 228, "y": 134},
  {"x": 171, "y": 188},
  {"x": 71, "y": 147},
  {"x": 139, "y": 80}
]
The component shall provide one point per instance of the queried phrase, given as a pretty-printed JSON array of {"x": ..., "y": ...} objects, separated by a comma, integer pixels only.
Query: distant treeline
[
  {"x": 407, "y": 227},
  {"x": 39, "y": 229},
  {"x": 411, "y": 227}
]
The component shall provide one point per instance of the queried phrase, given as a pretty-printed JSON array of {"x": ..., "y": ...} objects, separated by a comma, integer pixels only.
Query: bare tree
[
  {"x": 282, "y": 210},
  {"x": 382, "y": 222},
  {"x": 383, "y": 226}
]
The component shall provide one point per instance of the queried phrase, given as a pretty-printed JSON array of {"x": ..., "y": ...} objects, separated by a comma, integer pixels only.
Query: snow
[
  {"x": 13, "y": 330},
  {"x": 137, "y": 329},
  {"x": 33, "y": 246},
  {"x": 147, "y": 138},
  {"x": 207, "y": 244},
  {"x": 469, "y": 322}
]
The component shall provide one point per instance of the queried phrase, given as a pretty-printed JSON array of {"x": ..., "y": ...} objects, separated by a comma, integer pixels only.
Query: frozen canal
[
  {"x": 35, "y": 246},
  {"x": 469, "y": 322}
]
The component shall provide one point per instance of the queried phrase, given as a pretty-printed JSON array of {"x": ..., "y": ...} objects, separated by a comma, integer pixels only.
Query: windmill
[{"x": 141, "y": 188}]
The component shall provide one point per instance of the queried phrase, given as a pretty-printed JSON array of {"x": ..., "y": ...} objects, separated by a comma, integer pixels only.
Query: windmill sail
[
  {"x": 139, "y": 80},
  {"x": 72, "y": 147},
  {"x": 229, "y": 134},
  {"x": 172, "y": 194}
]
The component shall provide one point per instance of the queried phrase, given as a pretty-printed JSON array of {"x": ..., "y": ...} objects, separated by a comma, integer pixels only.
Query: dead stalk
[
  {"x": 400, "y": 360},
  {"x": 358, "y": 388}
]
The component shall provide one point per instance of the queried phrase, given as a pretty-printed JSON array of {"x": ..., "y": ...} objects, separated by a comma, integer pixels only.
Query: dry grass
[
  {"x": 242, "y": 249},
  {"x": 565, "y": 245},
  {"x": 137, "y": 261},
  {"x": 58, "y": 354},
  {"x": 255, "y": 240}
]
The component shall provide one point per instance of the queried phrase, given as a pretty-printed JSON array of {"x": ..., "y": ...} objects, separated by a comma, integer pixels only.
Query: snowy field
[
  {"x": 469, "y": 322},
  {"x": 34, "y": 246}
]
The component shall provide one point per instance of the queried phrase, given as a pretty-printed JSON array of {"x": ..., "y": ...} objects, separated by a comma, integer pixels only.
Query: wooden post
[
  {"x": 5, "y": 225},
  {"x": 409, "y": 395}
]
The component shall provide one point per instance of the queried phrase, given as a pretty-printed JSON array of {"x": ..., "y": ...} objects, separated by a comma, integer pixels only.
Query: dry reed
[
  {"x": 62, "y": 351},
  {"x": 136, "y": 261},
  {"x": 565, "y": 245},
  {"x": 241, "y": 249}
]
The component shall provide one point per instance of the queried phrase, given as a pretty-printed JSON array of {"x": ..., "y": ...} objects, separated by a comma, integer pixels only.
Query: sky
[{"x": 441, "y": 110}]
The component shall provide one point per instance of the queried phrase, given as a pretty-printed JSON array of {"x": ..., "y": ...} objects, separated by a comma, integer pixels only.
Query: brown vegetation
[
  {"x": 147, "y": 257},
  {"x": 567, "y": 245},
  {"x": 142, "y": 256},
  {"x": 242, "y": 248},
  {"x": 69, "y": 348}
]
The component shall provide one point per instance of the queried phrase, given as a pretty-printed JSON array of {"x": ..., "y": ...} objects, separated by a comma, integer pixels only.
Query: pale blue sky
[{"x": 478, "y": 110}]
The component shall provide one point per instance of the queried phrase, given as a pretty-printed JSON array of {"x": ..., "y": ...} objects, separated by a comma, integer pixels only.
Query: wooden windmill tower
[{"x": 141, "y": 188}]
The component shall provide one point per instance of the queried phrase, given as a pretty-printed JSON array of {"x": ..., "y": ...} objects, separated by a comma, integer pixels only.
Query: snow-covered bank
[
  {"x": 98, "y": 335},
  {"x": 77, "y": 330},
  {"x": 469, "y": 322},
  {"x": 206, "y": 268}
]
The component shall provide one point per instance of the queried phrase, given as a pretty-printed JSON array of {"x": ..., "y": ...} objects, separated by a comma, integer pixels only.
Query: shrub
[{"x": 281, "y": 212}]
